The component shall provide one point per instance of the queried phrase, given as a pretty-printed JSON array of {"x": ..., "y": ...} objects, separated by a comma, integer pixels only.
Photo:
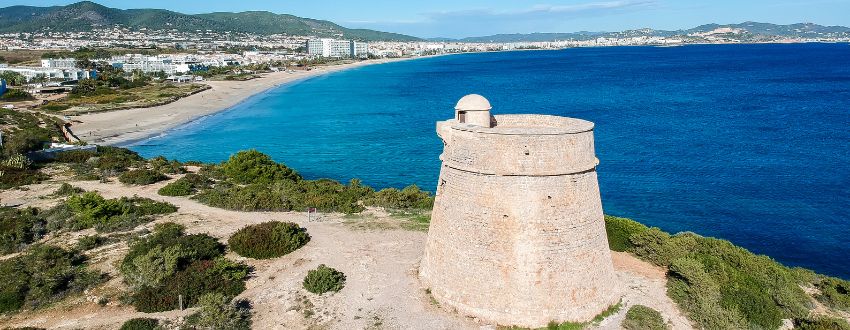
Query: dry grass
[{"x": 140, "y": 97}]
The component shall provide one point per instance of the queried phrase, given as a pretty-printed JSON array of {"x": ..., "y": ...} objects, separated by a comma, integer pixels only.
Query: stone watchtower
[{"x": 517, "y": 234}]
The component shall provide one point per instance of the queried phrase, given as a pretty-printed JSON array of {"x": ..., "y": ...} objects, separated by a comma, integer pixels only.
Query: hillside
[
  {"x": 751, "y": 31},
  {"x": 86, "y": 15}
]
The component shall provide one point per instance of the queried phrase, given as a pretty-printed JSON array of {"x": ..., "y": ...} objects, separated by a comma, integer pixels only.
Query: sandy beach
[{"x": 122, "y": 126}]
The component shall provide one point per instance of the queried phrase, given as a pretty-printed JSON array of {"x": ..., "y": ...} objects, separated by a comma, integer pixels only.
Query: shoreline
[{"x": 128, "y": 126}]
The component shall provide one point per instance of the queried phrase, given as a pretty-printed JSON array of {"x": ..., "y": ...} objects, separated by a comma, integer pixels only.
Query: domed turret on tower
[{"x": 474, "y": 109}]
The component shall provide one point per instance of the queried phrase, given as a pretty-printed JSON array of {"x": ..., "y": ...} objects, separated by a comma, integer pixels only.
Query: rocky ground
[{"x": 378, "y": 256}]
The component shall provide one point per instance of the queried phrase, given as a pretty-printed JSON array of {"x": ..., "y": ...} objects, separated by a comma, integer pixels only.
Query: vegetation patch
[
  {"x": 15, "y": 95},
  {"x": 169, "y": 264},
  {"x": 19, "y": 228},
  {"x": 117, "y": 159},
  {"x": 717, "y": 284},
  {"x": 105, "y": 215},
  {"x": 251, "y": 181},
  {"x": 185, "y": 186},
  {"x": 86, "y": 243},
  {"x": 822, "y": 323},
  {"x": 41, "y": 276},
  {"x": 217, "y": 312},
  {"x": 834, "y": 292},
  {"x": 141, "y": 177},
  {"x": 140, "y": 324},
  {"x": 324, "y": 279},
  {"x": 640, "y": 317},
  {"x": 268, "y": 240}
]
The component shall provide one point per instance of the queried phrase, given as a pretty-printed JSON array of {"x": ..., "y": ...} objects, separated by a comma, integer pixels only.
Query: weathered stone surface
[{"x": 517, "y": 234}]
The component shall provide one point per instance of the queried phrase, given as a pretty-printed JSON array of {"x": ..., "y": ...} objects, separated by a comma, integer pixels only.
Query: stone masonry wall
[{"x": 514, "y": 247}]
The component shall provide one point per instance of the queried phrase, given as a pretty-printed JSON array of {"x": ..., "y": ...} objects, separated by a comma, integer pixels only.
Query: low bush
[
  {"x": 834, "y": 293},
  {"x": 19, "y": 228},
  {"x": 216, "y": 312},
  {"x": 168, "y": 263},
  {"x": 105, "y": 215},
  {"x": 324, "y": 279},
  {"x": 185, "y": 186},
  {"x": 116, "y": 159},
  {"x": 245, "y": 198},
  {"x": 66, "y": 190},
  {"x": 268, "y": 240},
  {"x": 141, "y": 177},
  {"x": 14, "y": 95},
  {"x": 86, "y": 243},
  {"x": 198, "y": 278},
  {"x": 11, "y": 177},
  {"x": 140, "y": 324},
  {"x": 640, "y": 317},
  {"x": 410, "y": 197},
  {"x": 620, "y": 230},
  {"x": 718, "y": 284},
  {"x": 254, "y": 167},
  {"x": 821, "y": 323},
  {"x": 163, "y": 165},
  {"x": 41, "y": 276}
]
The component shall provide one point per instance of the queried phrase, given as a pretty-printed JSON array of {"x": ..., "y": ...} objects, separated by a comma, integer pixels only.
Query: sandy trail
[{"x": 382, "y": 289}]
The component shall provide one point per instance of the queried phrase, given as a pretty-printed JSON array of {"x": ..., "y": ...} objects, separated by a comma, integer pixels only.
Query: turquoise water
[{"x": 749, "y": 143}]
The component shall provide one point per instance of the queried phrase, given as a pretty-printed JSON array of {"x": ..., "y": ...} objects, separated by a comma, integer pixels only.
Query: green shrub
[
  {"x": 117, "y": 159},
  {"x": 14, "y": 95},
  {"x": 834, "y": 293},
  {"x": 245, "y": 198},
  {"x": 199, "y": 278},
  {"x": 105, "y": 215},
  {"x": 41, "y": 276},
  {"x": 620, "y": 230},
  {"x": 268, "y": 240},
  {"x": 67, "y": 190},
  {"x": 821, "y": 323},
  {"x": 640, "y": 317},
  {"x": 15, "y": 177},
  {"x": 410, "y": 197},
  {"x": 168, "y": 263},
  {"x": 324, "y": 279},
  {"x": 163, "y": 165},
  {"x": 141, "y": 177},
  {"x": 140, "y": 324},
  {"x": 19, "y": 228},
  {"x": 216, "y": 312},
  {"x": 17, "y": 161},
  {"x": 185, "y": 186},
  {"x": 718, "y": 284},
  {"x": 86, "y": 243},
  {"x": 252, "y": 166}
]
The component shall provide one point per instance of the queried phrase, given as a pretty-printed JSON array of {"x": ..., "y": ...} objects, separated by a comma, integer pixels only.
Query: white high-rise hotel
[{"x": 337, "y": 48}]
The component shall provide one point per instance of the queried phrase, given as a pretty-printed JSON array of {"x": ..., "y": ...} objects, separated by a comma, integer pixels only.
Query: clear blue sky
[{"x": 460, "y": 18}]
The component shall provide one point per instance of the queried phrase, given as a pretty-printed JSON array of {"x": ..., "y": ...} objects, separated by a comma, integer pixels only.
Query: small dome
[{"x": 473, "y": 102}]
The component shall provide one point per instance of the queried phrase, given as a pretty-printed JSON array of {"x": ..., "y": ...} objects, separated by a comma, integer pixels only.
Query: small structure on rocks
[{"x": 517, "y": 235}]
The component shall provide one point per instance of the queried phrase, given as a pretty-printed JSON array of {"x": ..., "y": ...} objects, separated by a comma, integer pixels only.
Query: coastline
[{"x": 122, "y": 127}]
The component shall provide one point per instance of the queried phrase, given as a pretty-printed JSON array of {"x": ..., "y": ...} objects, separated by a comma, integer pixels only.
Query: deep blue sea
[{"x": 749, "y": 143}]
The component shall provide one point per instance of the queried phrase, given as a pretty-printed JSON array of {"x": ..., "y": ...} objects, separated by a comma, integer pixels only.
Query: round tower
[{"x": 517, "y": 235}]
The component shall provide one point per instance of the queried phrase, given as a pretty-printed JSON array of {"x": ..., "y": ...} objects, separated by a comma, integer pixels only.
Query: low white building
[
  {"x": 31, "y": 73},
  {"x": 59, "y": 63}
]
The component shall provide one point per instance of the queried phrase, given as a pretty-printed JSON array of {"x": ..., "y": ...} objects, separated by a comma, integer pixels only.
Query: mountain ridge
[
  {"x": 753, "y": 29},
  {"x": 87, "y": 15}
]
